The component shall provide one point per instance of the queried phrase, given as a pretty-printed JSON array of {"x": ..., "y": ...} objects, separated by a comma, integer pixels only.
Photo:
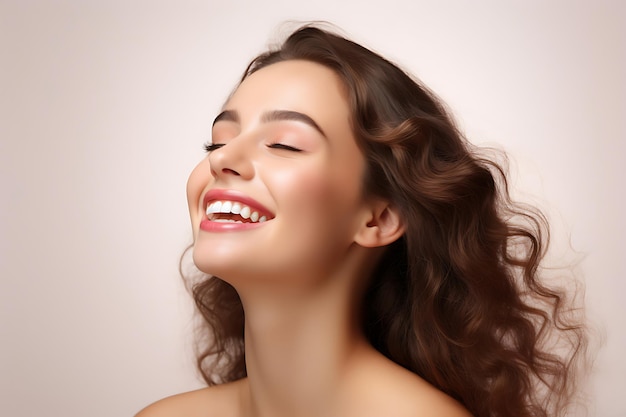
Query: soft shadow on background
[{"x": 105, "y": 105}]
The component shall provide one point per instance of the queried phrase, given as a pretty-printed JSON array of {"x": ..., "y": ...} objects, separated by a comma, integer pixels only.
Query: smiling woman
[
  {"x": 269, "y": 154},
  {"x": 361, "y": 259}
]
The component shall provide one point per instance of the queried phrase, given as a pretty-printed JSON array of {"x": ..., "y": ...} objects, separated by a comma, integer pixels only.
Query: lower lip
[{"x": 210, "y": 226}]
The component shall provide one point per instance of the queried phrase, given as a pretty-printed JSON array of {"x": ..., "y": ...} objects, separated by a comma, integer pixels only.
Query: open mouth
[{"x": 234, "y": 212}]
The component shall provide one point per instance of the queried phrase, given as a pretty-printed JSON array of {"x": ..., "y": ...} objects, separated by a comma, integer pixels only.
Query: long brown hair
[{"x": 458, "y": 299}]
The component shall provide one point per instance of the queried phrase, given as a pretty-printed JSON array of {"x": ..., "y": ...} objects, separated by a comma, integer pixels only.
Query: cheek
[
  {"x": 305, "y": 187},
  {"x": 318, "y": 191},
  {"x": 198, "y": 180}
]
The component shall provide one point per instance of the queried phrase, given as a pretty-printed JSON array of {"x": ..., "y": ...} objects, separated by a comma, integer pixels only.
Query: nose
[{"x": 232, "y": 160}]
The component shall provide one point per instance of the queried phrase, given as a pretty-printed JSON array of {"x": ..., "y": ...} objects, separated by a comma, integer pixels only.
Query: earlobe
[{"x": 383, "y": 226}]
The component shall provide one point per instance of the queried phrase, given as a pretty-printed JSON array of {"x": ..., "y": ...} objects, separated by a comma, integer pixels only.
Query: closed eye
[
  {"x": 284, "y": 147},
  {"x": 209, "y": 147}
]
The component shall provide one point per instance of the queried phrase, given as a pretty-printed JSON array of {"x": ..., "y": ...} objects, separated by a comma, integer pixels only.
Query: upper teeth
[{"x": 227, "y": 207}]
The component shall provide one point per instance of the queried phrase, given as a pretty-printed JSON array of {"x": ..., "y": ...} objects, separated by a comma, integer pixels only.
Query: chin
[{"x": 225, "y": 265}]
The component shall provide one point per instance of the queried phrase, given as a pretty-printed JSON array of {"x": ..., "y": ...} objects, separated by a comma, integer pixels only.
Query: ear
[{"x": 381, "y": 226}]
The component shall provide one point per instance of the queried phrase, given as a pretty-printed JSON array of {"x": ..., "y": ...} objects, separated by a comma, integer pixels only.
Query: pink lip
[{"x": 231, "y": 195}]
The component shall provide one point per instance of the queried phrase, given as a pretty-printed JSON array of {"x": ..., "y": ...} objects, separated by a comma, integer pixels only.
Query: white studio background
[{"x": 105, "y": 105}]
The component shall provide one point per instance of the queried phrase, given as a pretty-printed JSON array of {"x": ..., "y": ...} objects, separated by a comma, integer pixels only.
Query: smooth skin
[{"x": 302, "y": 273}]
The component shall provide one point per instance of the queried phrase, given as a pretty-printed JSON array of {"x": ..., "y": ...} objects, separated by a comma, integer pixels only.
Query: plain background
[{"x": 105, "y": 106}]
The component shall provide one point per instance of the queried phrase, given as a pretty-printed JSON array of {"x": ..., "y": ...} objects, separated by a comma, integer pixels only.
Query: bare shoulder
[
  {"x": 414, "y": 397},
  {"x": 428, "y": 401},
  {"x": 389, "y": 386},
  {"x": 219, "y": 400}
]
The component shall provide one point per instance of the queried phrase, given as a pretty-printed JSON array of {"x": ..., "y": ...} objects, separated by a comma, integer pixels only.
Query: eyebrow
[
  {"x": 272, "y": 116},
  {"x": 228, "y": 116}
]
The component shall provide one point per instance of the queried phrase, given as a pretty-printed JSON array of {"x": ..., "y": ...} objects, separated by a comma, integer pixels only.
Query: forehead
[{"x": 296, "y": 85}]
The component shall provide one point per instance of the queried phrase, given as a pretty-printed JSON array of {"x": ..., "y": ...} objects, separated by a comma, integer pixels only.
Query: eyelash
[
  {"x": 282, "y": 146},
  {"x": 210, "y": 147}
]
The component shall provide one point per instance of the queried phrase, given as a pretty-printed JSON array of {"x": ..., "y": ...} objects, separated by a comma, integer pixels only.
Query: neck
[{"x": 299, "y": 344}]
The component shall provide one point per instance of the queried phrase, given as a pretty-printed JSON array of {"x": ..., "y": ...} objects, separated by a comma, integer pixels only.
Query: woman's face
[{"x": 280, "y": 193}]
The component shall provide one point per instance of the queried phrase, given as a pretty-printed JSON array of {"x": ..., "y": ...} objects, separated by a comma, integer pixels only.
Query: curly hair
[{"x": 457, "y": 300}]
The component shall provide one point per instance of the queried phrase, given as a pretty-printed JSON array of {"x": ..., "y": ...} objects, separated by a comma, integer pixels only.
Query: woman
[{"x": 382, "y": 269}]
